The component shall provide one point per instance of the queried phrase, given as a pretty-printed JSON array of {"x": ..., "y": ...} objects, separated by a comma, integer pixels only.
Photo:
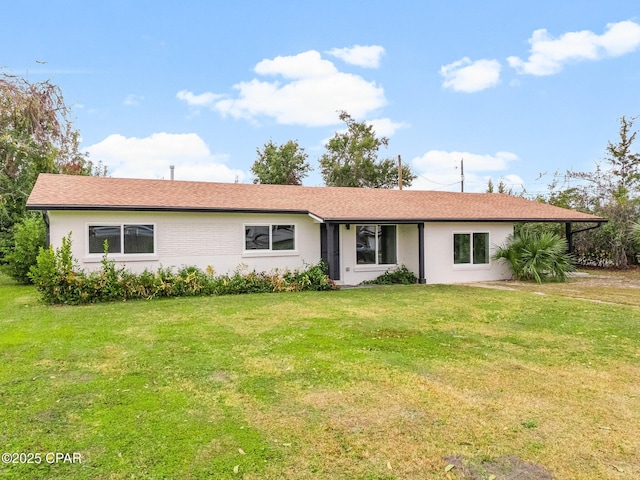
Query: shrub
[
  {"x": 539, "y": 257},
  {"x": 55, "y": 275},
  {"x": 312, "y": 277},
  {"x": 29, "y": 236},
  {"x": 59, "y": 280},
  {"x": 402, "y": 275}
]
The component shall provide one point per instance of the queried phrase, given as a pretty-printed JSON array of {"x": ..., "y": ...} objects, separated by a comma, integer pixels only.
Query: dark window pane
[
  {"x": 480, "y": 248},
  {"x": 256, "y": 237},
  {"x": 283, "y": 237},
  {"x": 366, "y": 244},
  {"x": 387, "y": 251},
  {"x": 461, "y": 248},
  {"x": 97, "y": 236},
  {"x": 138, "y": 239}
]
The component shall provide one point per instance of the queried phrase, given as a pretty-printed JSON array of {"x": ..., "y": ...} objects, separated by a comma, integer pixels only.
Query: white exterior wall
[
  {"x": 439, "y": 266},
  {"x": 217, "y": 240},
  {"x": 438, "y": 254},
  {"x": 190, "y": 239},
  {"x": 352, "y": 274}
]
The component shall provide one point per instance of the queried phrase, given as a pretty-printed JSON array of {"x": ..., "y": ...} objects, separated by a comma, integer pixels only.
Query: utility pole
[
  {"x": 400, "y": 172},
  {"x": 462, "y": 175}
]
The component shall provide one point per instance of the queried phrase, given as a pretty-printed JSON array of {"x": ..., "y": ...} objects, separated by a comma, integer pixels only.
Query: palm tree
[{"x": 537, "y": 256}]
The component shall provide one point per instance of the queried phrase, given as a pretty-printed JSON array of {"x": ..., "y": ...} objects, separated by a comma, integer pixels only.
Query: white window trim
[
  {"x": 269, "y": 252},
  {"x": 375, "y": 267},
  {"x": 471, "y": 265},
  {"x": 120, "y": 256}
]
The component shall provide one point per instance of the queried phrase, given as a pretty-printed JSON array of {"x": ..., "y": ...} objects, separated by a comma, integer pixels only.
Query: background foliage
[
  {"x": 611, "y": 190},
  {"x": 281, "y": 165},
  {"x": 36, "y": 136},
  {"x": 351, "y": 159}
]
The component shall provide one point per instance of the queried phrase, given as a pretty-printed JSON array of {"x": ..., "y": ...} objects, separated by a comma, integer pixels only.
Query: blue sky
[{"x": 515, "y": 88}]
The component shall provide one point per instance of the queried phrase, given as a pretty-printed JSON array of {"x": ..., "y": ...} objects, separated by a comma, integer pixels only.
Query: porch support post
[
  {"x": 333, "y": 259},
  {"x": 421, "y": 277},
  {"x": 569, "y": 236}
]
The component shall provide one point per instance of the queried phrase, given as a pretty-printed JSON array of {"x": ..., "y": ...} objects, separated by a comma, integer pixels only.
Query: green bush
[
  {"x": 29, "y": 236},
  {"x": 60, "y": 281},
  {"x": 56, "y": 275},
  {"x": 402, "y": 275},
  {"x": 536, "y": 256}
]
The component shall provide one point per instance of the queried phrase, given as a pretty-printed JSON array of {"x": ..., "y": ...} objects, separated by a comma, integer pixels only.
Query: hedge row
[{"x": 60, "y": 281}]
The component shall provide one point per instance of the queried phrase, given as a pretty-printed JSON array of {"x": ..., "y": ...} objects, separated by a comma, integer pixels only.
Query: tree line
[
  {"x": 611, "y": 190},
  {"x": 352, "y": 159}
]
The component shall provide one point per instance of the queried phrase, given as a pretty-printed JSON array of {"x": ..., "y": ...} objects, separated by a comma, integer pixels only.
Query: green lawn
[{"x": 374, "y": 383}]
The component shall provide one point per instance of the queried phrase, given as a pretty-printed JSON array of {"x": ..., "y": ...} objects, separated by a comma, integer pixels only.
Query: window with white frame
[
  {"x": 122, "y": 239},
  {"x": 376, "y": 244},
  {"x": 269, "y": 237},
  {"x": 471, "y": 248}
]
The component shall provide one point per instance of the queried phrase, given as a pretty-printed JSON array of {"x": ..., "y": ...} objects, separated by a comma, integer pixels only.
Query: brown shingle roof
[{"x": 70, "y": 192}]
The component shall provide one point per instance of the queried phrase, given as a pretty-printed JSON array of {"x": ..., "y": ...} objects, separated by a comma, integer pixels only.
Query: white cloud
[
  {"x": 385, "y": 127},
  {"x": 368, "y": 56},
  {"x": 312, "y": 95},
  {"x": 304, "y": 65},
  {"x": 151, "y": 156},
  {"x": 467, "y": 76},
  {"x": 440, "y": 170},
  {"x": 133, "y": 100},
  {"x": 201, "y": 100},
  {"x": 549, "y": 55}
]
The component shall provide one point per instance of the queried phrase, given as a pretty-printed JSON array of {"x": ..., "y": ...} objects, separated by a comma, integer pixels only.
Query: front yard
[{"x": 377, "y": 383}]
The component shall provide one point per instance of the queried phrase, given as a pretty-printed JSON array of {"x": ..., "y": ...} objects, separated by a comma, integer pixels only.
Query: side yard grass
[{"x": 406, "y": 382}]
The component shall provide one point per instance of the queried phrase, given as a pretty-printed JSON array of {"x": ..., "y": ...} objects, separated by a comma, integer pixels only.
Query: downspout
[
  {"x": 570, "y": 233},
  {"x": 47, "y": 226},
  {"x": 421, "y": 277}
]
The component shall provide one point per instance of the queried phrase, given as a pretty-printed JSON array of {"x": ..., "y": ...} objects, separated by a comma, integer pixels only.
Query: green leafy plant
[
  {"x": 402, "y": 275},
  {"x": 536, "y": 256},
  {"x": 28, "y": 238},
  {"x": 60, "y": 281},
  {"x": 636, "y": 231},
  {"x": 56, "y": 275}
]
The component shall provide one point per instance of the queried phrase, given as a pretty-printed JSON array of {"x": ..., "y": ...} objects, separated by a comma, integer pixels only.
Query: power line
[{"x": 438, "y": 183}]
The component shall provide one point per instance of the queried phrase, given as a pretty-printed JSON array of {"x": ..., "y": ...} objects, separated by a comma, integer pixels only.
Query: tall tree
[
  {"x": 36, "y": 136},
  {"x": 281, "y": 165},
  {"x": 351, "y": 159},
  {"x": 612, "y": 190}
]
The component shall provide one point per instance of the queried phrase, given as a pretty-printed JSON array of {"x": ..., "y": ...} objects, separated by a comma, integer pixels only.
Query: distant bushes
[{"x": 60, "y": 281}]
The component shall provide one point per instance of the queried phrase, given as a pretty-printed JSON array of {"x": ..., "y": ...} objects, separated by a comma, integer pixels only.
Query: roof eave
[
  {"x": 341, "y": 220},
  {"x": 450, "y": 220},
  {"x": 142, "y": 208}
]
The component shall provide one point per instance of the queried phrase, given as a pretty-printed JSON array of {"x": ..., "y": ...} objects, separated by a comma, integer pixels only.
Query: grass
[{"x": 375, "y": 383}]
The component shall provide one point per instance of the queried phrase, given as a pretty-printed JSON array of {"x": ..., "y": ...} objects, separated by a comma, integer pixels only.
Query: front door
[{"x": 330, "y": 248}]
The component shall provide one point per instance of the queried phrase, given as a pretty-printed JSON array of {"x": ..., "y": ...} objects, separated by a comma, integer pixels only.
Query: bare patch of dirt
[
  {"x": 620, "y": 287},
  {"x": 502, "y": 468}
]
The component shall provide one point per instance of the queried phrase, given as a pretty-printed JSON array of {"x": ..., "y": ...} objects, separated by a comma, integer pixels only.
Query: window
[
  {"x": 269, "y": 237},
  {"x": 376, "y": 244},
  {"x": 470, "y": 248},
  {"x": 134, "y": 238}
]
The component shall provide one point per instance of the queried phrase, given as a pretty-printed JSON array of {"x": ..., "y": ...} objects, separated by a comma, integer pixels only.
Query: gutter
[
  {"x": 317, "y": 218},
  {"x": 134, "y": 208}
]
